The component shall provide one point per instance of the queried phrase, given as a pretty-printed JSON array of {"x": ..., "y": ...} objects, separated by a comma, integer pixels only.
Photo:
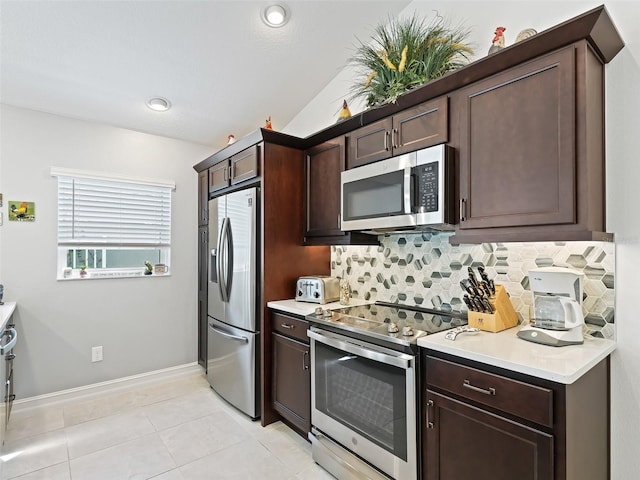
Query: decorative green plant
[{"x": 405, "y": 53}]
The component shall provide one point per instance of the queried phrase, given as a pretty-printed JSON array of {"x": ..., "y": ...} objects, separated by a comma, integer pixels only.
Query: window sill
[{"x": 111, "y": 275}]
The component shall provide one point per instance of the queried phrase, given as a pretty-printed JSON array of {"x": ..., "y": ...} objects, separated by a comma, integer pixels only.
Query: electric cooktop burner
[{"x": 394, "y": 323}]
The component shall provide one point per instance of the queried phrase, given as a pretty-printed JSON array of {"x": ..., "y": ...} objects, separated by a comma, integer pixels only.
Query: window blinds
[{"x": 100, "y": 212}]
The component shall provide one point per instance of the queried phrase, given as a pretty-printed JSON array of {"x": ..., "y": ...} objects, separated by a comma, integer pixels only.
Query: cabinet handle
[
  {"x": 485, "y": 391},
  {"x": 429, "y": 405},
  {"x": 225, "y": 175},
  {"x": 396, "y": 138},
  {"x": 287, "y": 325},
  {"x": 463, "y": 209},
  {"x": 386, "y": 141},
  {"x": 232, "y": 173},
  {"x": 305, "y": 365},
  {"x": 339, "y": 223}
]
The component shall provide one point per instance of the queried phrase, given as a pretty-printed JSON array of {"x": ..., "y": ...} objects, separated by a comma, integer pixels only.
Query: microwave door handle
[{"x": 408, "y": 190}]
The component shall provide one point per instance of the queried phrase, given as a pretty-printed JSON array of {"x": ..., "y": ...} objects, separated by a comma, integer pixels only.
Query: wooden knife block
[{"x": 504, "y": 316}]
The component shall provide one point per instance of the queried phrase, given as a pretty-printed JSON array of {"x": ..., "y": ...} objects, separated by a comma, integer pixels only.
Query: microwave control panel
[{"x": 427, "y": 181}]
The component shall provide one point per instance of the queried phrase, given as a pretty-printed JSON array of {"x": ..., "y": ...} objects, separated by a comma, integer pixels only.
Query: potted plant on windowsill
[
  {"x": 83, "y": 271},
  {"x": 405, "y": 53}
]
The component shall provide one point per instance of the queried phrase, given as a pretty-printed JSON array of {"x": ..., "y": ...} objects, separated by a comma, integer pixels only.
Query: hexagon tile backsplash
[{"x": 424, "y": 269}]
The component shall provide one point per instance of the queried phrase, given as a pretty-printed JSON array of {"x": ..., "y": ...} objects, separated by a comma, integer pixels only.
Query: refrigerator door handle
[
  {"x": 220, "y": 259},
  {"x": 228, "y": 281},
  {"x": 228, "y": 335}
]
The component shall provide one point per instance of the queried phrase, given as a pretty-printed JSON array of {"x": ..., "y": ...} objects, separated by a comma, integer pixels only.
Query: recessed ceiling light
[
  {"x": 275, "y": 15},
  {"x": 159, "y": 104}
]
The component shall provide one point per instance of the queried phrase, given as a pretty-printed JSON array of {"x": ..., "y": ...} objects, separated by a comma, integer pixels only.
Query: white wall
[
  {"x": 623, "y": 172},
  {"x": 144, "y": 324}
]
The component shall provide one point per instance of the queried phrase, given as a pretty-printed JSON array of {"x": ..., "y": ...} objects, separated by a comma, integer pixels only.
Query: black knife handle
[
  {"x": 467, "y": 300},
  {"x": 483, "y": 274}
]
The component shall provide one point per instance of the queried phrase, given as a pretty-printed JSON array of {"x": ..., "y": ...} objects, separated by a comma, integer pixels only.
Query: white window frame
[{"x": 71, "y": 237}]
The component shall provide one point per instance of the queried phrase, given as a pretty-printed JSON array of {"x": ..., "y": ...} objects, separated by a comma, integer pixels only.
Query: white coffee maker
[{"x": 557, "y": 307}]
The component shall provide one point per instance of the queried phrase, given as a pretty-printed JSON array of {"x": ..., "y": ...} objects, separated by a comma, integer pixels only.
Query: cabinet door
[
  {"x": 203, "y": 256},
  {"x": 369, "y": 144},
  {"x": 244, "y": 165},
  {"x": 517, "y": 145},
  {"x": 421, "y": 127},
  {"x": 291, "y": 385},
  {"x": 467, "y": 443},
  {"x": 323, "y": 165},
  {"x": 219, "y": 176},
  {"x": 203, "y": 197}
]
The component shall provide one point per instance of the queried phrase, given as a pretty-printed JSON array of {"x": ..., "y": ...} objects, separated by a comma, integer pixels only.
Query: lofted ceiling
[{"x": 221, "y": 67}]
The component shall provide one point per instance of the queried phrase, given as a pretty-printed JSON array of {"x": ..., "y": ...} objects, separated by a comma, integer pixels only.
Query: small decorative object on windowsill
[
  {"x": 83, "y": 271},
  {"x": 344, "y": 111},
  {"x": 160, "y": 268},
  {"x": 149, "y": 269},
  {"x": 267, "y": 124},
  {"x": 405, "y": 53}
]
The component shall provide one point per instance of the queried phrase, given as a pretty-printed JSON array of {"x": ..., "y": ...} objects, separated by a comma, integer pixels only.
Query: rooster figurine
[
  {"x": 344, "y": 111},
  {"x": 268, "y": 124},
  {"x": 498, "y": 40}
]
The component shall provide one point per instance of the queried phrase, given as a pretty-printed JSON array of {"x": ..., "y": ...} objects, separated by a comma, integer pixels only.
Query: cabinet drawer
[
  {"x": 526, "y": 401},
  {"x": 293, "y": 327}
]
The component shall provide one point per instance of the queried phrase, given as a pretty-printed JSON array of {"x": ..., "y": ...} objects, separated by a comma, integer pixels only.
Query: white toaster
[{"x": 318, "y": 289}]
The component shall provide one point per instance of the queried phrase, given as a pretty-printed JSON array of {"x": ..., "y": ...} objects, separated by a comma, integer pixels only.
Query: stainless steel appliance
[
  {"x": 411, "y": 191},
  {"x": 233, "y": 336},
  {"x": 557, "y": 318},
  {"x": 7, "y": 355},
  {"x": 318, "y": 289},
  {"x": 364, "y": 394}
]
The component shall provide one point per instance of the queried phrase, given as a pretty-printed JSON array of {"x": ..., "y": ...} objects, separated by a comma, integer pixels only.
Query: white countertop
[
  {"x": 505, "y": 350},
  {"x": 307, "y": 308},
  {"x": 6, "y": 311}
]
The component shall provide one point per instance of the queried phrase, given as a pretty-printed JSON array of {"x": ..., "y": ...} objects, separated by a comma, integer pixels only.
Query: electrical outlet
[{"x": 96, "y": 354}]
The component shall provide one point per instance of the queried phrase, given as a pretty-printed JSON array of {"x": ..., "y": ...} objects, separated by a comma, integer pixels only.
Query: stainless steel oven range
[{"x": 364, "y": 388}]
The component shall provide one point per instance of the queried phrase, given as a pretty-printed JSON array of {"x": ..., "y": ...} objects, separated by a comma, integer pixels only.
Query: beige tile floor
[{"x": 175, "y": 430}]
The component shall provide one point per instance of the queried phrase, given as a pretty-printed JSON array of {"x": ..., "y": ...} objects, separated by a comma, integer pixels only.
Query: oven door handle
[
  {"x": 13, "y": 335},
  {"x": 388, "y": 357}
]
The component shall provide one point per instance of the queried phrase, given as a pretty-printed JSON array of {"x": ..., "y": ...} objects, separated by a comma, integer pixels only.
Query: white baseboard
[{"x": 110, "y": 386}]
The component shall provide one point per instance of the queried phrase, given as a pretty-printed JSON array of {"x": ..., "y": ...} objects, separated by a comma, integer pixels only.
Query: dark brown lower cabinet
[
  {"x": 291, "y": 387},
  {"x": 469, "y": 443},
  {"x": 481, "y": 422}
]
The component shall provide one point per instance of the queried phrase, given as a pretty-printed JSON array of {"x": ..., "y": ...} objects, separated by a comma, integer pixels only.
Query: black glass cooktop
[{"x": 376, "y": 320}]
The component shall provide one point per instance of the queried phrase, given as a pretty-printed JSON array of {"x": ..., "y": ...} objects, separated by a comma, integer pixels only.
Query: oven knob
[
  {"x": 316, "y": 294},
  {"x": 392, "y": 327},
  {"x": 407, "y": 331},
  {"x": 299, "y": 293}
]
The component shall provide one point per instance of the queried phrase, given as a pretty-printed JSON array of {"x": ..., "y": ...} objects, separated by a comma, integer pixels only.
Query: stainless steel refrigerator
[{"x": 233, "y": 331}]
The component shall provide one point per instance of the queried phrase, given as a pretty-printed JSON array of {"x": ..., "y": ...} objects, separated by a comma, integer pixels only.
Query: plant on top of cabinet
[{"x": 405, "y": 53}]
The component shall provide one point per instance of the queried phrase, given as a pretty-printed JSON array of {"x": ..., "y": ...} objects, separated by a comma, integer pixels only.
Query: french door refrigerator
[{"x": 233, "y": 329}]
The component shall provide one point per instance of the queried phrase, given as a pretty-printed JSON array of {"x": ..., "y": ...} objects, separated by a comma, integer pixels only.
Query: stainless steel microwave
[{"x": 413, "y": 191}]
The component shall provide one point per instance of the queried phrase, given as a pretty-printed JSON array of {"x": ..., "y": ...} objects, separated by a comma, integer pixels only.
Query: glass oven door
[{"x": 363, "y": 396}]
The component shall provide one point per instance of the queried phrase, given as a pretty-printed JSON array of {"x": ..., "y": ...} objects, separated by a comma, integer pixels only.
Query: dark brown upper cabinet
[
  {"x": 323, "y": 165},
  {"x": 412, "y": 129},
  {"x": 238, "y": 168},
  {"x": 530, "y": 142}
]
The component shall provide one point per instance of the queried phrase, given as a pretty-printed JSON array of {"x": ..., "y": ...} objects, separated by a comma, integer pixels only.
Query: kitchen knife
[
  {"x": 464, "y": 283},
  {"x": 478, "y": 303},
  {"x": 486, "y": 288},
  {"x": 487, "y": 305},
  {"x": 483, "y": 274},
  {"x": 467, "y": 300},
  {"x": 492, "y": 286},
  {"x": 472, "y": 277}
]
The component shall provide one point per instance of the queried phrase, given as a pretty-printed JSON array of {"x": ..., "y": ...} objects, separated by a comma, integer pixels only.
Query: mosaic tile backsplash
[{"x": 424, "y": 269}]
